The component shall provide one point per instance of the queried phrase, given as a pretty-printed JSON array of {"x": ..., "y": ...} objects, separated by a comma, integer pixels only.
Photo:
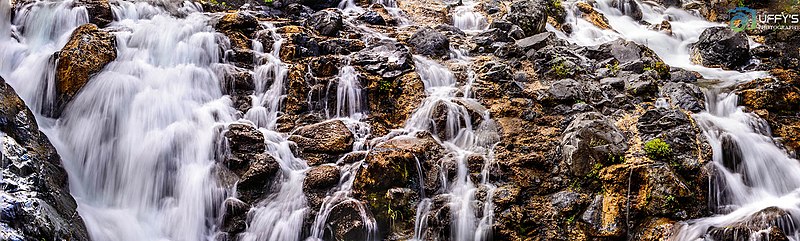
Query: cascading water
[
  {"x": 460, "y": 137},
  {"x": 672, "y": 48},
  {"x": 467, "y": 19},
  {"x": 765, "y": 177},
  {"x": 139, "y": 170},
  {"x": 753, "y": 173}
]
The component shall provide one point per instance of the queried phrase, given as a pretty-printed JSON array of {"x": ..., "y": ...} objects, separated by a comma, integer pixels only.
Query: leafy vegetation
[
  {"x": 657, "y": 149},
  {"x": 614, "y": 68},
  {"x": 560, "y": 70}
]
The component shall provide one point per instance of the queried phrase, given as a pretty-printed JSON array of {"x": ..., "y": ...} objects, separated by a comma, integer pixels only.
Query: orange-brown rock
[
  {"x": 777, "y": 100},
  {"x": 593, "y": 16},
  {"x": 86, "y": 53}
]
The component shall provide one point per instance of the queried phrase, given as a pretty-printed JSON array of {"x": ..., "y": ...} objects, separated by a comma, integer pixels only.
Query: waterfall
[
  {"x": 348, "y": 94},
  {"x": 465, "y": 17},
  {"x": 766, "y": 176},
  {"x": 673, "y": 49}
]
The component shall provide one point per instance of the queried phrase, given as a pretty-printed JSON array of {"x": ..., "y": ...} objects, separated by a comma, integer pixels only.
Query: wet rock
[
  {"x": 86, "y": 53},
  {"x": 537, "y": 41},
  {"x": 255, "y": 181},
  {"x": 36, "y": 202},
  {"x": 243, "y": 140},
  {"x": 325, "y": 22},
  {"x": 234, "y": 218},
  {"x": 642, "y": 85},
  {"x": 775, "y": 221},
  {"x": 490, "y": 40},
  {"x": 247, "y": 159},
  {"x": 325, "y": 66},
  {"x": 387, "y": 59},
  {"x": 669, "y": 3},
  {"x": 655, "y": 229},
  {"x": 568, "y": 202},
  {"x": 506, "y": 195},
  {"x": 721, "y": 47},
  {"x": 665, "y": 27},
  {"x": 430, "y": 43},
  {"x": 662, "y": 192},
  {"x": 318, "y": 181},
  {"x": 341, "y": 46},
  {"x": 605, "y": 216},
  {"x": 771, "y": 94},
  {"x": 390, "y": 165},
  {"x": 686, "y": 96},
  {"x": 99, "y": 11},
  {"x": 592, "y": 15},
  {"x": 684, "y": 76},
  {"x": 345, "y": 222},
  {"x": 630, "y": 56},
  {"x": 530, "y": 16},
  {"x": 323, "y": 142},
  {"x": 629, "y": 8},
  {"x": 298, "y": 11},
  {"x": 321, "y": 177},
  {"x": 776, "y": 100},
  {"x": 241, "y": 21},
  {"x": 565, "y": 91},
  {"x": 589, "y": 140},
  {"x": 373, "y": 18}
]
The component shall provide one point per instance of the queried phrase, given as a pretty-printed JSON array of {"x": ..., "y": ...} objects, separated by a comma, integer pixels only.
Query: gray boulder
[
  {"x": 430, "y": 43},
  {"x": 325, "y": 22}
]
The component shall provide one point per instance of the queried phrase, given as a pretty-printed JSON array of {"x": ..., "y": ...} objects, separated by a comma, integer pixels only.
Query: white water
[
  {"x": 766, "y": 176},
  {"x": 138, "y": 141},
  {"x": 465, "y": 17},
  {"x": 674, "y": 50},
  {"x": 138, "y": 167}
]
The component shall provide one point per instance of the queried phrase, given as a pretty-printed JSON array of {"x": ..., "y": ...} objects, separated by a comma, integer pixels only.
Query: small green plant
[
  {"x": 595, "y": 172},
  {"x": 614, "y": 68},
  {"x": 385, "y": 85},
  {"x": 560, "y": 70},
  {"x": 392, "y": 213},
  {"x": 616, "y": 159},
  {"x": 657, "y": 149},
  {"x": 556, "y": 3}
]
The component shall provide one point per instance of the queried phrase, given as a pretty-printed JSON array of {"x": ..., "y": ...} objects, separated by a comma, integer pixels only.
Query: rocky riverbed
[{"x": 389, "y": 120}]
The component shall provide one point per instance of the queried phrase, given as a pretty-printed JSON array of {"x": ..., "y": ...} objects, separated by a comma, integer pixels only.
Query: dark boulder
[
  {"x": 325, "y": 22},
  {"x": 345, "y": 222},
  {"x": 373, "y": 18},
  {"x": 771, "y": 223},
  {"x": 319, "y": 180},
  {"x": 99, "y": 11},
  {"x": 36, "y": 202},
  {"x": 319, "y": 4},
  {"x": 248, "y": 161},
  {"x": 391, "y": 167},
  {"x": 684, "y": 95},
  {"x": 589, "y": 140},
  {"x": 87, "y": 53},
  {"x": 530, "y": 16},
  {"x": 721, "y": 47},
  {"x": 386, "y": 59},
  {"x": 298, "y": 11},
  {"x": 430, "y": 43},
  {"x": 323, "y": 142}
]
